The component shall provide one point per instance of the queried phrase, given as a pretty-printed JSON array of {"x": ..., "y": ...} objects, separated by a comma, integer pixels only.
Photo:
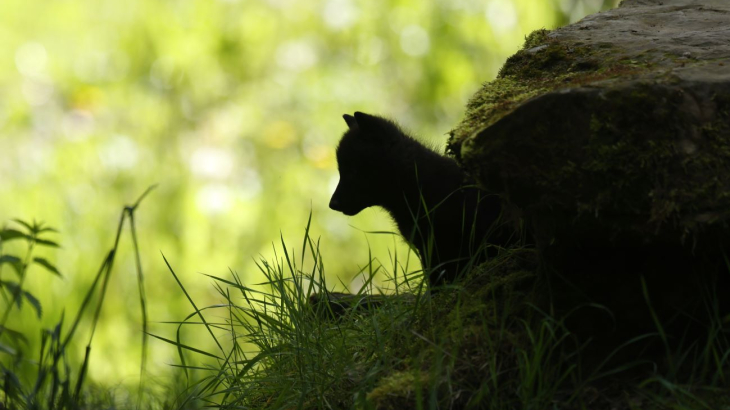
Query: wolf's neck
[{"x": 419, "y": 187}]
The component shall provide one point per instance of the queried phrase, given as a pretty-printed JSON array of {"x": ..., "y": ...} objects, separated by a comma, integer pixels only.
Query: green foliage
[
  {"x": 483, "y": 343},
  {"x": 12, "y": 289},
  {"x": 56, "y": 382},
  {"x": 298, "y": 349}
]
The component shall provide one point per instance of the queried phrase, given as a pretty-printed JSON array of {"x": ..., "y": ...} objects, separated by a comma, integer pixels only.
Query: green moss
[
  {"x": 398, "y": 390},
  {"x": 542, "y": 57},
  {"x": 626, "y": 160},
  {"x": 536, "y": 62},
  {"x": 495, "y": 100},
  {"x": 536, "y": 38},
  {"x": 638, "y": 156},
  {"x": 480, "y": 321},
  {"x": 637, "y": 164},
  {"x": 543, "y": 65}
]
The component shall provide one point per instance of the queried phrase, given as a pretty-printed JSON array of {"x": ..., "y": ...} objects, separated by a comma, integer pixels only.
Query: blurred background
[{"x": 234, "y": 107}]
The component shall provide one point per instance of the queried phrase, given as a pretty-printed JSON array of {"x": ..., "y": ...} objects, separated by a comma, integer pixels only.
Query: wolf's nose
[{"x": 334, "y": 204}]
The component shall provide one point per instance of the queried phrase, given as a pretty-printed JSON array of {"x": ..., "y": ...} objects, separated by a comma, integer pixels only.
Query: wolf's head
[{"x": 366, "y": 162}]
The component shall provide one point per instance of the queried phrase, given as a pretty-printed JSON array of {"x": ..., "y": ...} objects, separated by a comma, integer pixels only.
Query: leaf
[
  {"x": 10, "y": 234},
  {"x": 48, "y": 266},
  {"x": 7, "y": 349},
  {"x": 14, "y": 262},
  {"x": 180, "y": 345},
  {"x": 34, "y": 302},
  {"x": 12, "y": 386},
  {"x": 26, "y": 224},
  {"x": 13, "y": 286},
  {"x": 37, "y": 227},
  {"x": 45, "y": 242},
  {"x": 14, "y": 334},
  {"x": 9, "y": 259}
]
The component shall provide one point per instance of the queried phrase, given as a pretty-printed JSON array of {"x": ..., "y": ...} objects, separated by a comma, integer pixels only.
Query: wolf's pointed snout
[{"x": 335, "y": 204}]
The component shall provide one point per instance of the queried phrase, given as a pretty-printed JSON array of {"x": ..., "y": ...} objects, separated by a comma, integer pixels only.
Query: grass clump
[
  {"x": 47, "y": 378},
  {"x": 488, "y": 342}
]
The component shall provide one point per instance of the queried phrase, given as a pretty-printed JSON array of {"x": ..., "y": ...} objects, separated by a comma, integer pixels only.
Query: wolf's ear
[
  {"x": 351, "y": 122},
  {"x": 368, "y": 123},
  {"x": 374, "y": 128}
]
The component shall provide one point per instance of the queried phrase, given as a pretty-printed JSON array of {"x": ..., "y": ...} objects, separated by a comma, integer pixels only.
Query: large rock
[{"x": 610, "y": 138}]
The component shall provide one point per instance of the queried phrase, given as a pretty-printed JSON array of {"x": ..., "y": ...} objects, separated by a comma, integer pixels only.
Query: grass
[
  {"x": 56, "y": 382},
  {"x": 289, "y": 343},
  {"x": 487, "y": 342}
]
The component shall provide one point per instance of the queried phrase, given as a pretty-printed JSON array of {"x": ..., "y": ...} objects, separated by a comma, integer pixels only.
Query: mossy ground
[{"x": 488, "y": 342}]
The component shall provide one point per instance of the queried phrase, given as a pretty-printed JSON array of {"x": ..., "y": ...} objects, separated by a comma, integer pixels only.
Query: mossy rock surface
[
  {"x": 622, "y": 119},
  {"x": 610, "y": 137}
]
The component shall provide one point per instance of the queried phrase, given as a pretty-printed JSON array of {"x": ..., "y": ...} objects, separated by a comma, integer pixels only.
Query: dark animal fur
[{"x": 436, "y": 207}]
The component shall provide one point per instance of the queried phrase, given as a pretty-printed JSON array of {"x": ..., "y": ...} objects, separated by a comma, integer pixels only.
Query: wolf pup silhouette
[{"x": 436, "y": 207}]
